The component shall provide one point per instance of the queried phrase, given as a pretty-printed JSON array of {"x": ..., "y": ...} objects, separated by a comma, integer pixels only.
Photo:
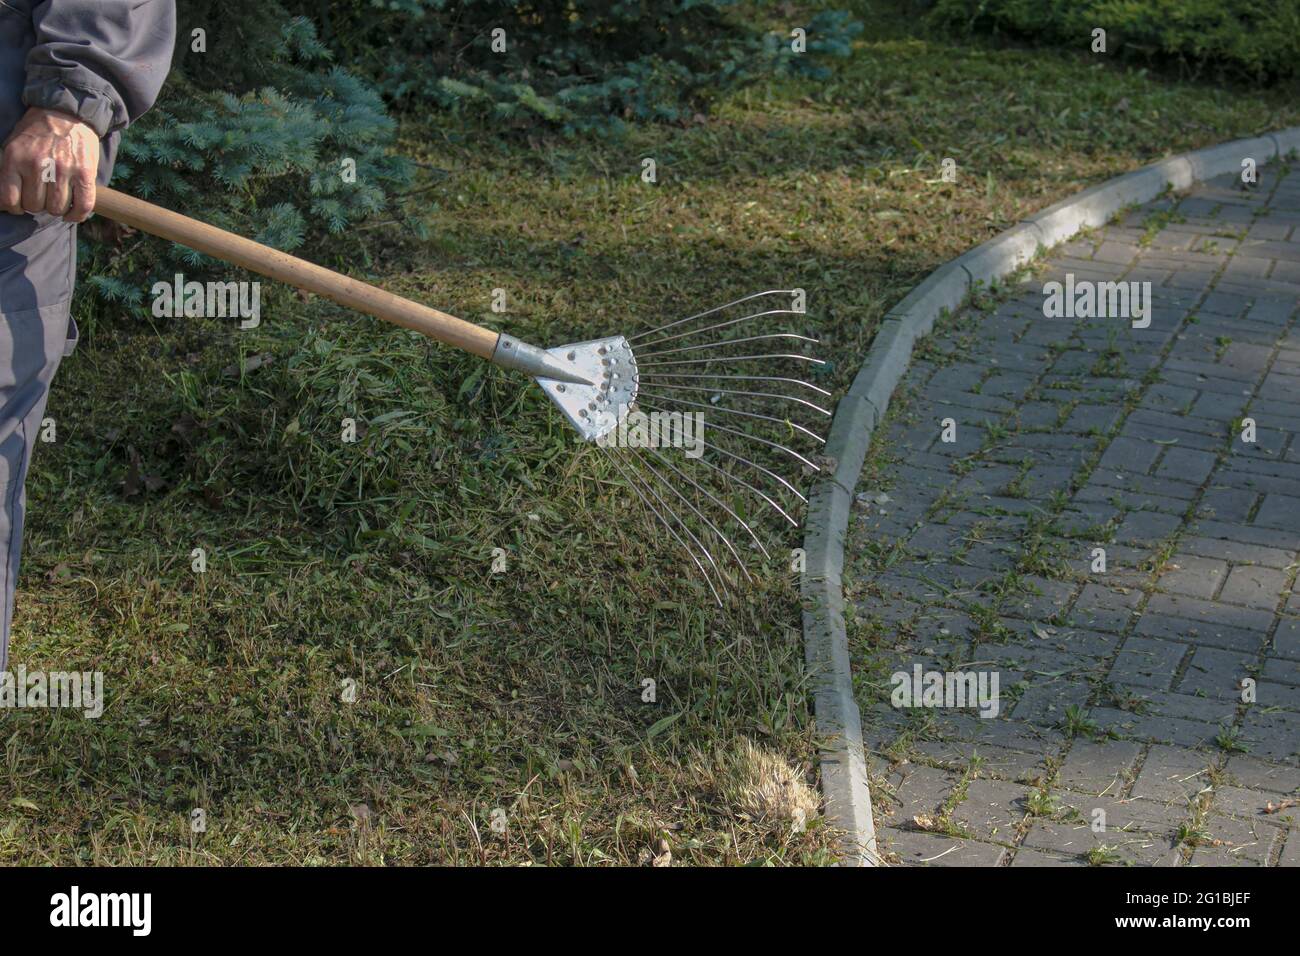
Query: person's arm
[
  {"x": 101, "y": 61},
  {"x": 96, "y": 66}
]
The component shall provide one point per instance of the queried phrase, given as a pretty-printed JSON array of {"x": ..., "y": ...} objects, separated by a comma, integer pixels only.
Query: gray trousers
[
  {"x": 37, "y": 269},
  {"x": 103, "y": 62}
]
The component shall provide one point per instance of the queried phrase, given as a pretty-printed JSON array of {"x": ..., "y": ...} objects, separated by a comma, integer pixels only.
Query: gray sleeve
[{"x": 103, "y": 61}]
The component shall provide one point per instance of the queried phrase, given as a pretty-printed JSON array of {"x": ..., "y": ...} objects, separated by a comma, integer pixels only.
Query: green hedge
[
  {"x": 271, "y": 101},
  {"x": 577, "y": 65},
  {"x": 1253, "y": 40}
]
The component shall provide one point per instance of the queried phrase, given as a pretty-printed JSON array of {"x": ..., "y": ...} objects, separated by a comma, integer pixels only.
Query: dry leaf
[
  {"x": 663, "y": 854},
  {"x": 361, "y": 813}
]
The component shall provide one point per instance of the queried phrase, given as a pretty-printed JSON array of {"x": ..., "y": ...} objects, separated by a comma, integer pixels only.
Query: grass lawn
[{"x": 483, "y": 697}]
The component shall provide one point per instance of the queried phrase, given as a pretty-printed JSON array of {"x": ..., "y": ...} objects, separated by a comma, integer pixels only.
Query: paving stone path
[{"x": 1149, "y": 713}]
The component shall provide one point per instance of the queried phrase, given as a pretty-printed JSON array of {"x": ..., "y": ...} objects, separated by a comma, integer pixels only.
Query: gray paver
[
  {"x": 1261, "y": 775},
  {"x": 992, "y": 809},
  {"x": 1147, "y": 662},
  {"x": 1099, "y": 767},
  {"x": 1172, "y": 774},
  {"x": 915, "y": 789},
  {"x": 915, "y": 848},
  {"x": 1194, "y": 576},
  {"x": 1121, "y": 836},
  {"x": 1254, "y": 587},
  {"x": 1232, "y": 841}
]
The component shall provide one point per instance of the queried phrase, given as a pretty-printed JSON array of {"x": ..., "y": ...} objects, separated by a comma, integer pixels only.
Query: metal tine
[
  {"x": 735, "y": 391},
  {"x": 703, "y": 517},
  {"x": 638, "y": 465},
  {"x": 762, "y": 441},
  {"x": 735, "y": 411},
  {"x": 697, "y": 505},
  {"x": 715, "y": 499},
  {"x": 698, "y": 535},
  {"x": 721, "y": 325},
  {"x": 732, "y": 358},
  {"x": 700, "y": 315},
  {"x": 744, "y": 484},
  {"x": 725, "y": 342},
  {"x": 752, "y": 378},
  {"x": 767, "y": 471},
  {"x": 636, "y": 486}
]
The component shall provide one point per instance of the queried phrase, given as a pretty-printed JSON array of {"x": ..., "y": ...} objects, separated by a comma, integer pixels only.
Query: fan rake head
[{"x": 718, "y": 431}]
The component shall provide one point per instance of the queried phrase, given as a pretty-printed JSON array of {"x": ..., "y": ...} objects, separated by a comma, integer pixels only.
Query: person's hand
[{"x": 49, "y": 165}]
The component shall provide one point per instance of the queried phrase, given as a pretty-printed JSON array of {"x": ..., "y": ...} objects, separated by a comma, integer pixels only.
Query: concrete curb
[{"x": 845, "y": 788}]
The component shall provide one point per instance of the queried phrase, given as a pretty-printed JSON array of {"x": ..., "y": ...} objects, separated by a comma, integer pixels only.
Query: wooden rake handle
[{"x": 283, "y": 267}]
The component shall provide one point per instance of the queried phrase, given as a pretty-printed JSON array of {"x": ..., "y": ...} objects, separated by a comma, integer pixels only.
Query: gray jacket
[{"x": 103, "y": 61}]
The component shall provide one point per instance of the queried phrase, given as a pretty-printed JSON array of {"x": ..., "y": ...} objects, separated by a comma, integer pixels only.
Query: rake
[{"x": 718, "y": 385}]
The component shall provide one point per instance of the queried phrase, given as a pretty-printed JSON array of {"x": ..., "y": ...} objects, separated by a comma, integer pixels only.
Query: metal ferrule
[{"x": 531, "y": 360}]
